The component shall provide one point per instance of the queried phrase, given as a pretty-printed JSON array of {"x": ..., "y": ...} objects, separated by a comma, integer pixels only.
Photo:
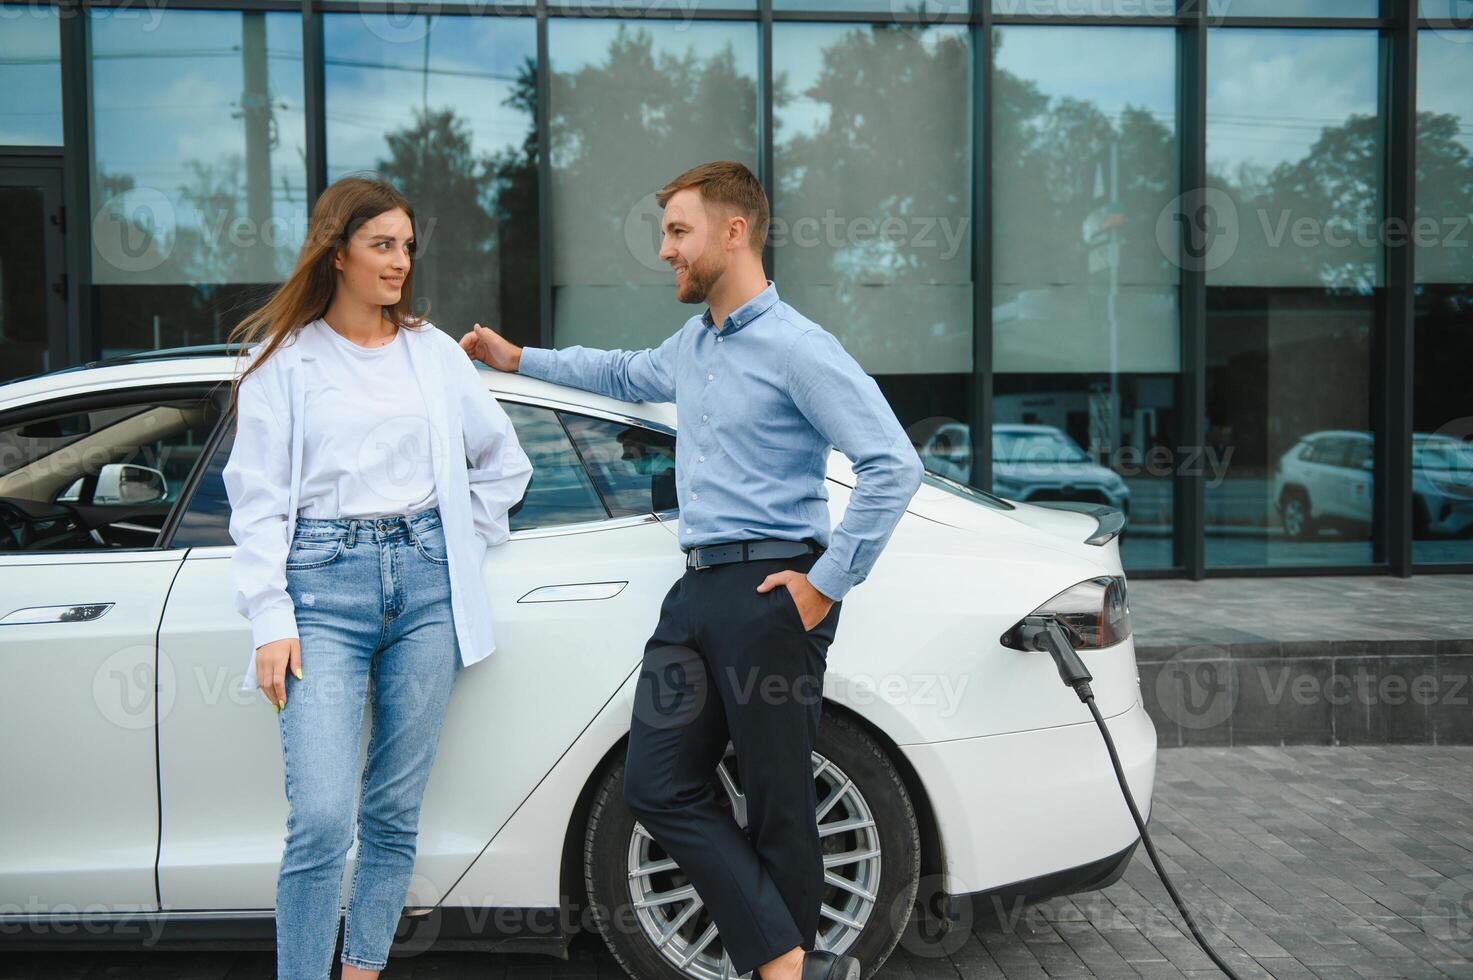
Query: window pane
[
  {"x": 198, "y": 180},
  {"x": 634, "y": 104},
  {"x": 1086, "y": 8},
  {"x": 1294, "y": 187},
  {"x": 872, "y": 217},
  {"x": 1285, "y": 367},
  {"x": 443, "y": 108},
  {"x": 125, "y": 465},
  {"x": 633, "y": 467},
  {"x": 30, "y": 75},
  {"x": 1442, "y": 424},
  {"x": 206, "y": 522},
  {"x": 1454, "y": 10},
  {"x": 1443, "y": 232},
  {"x": 560, "y": 492},
  {"x": 872, "y": 211},
  {"x": 1293, "y": 8},
  {"x": 1085, "y": 317},
  {"x": 930, "y": 7}
]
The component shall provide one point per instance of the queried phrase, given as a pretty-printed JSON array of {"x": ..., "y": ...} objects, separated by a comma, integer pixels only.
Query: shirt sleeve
[
  {"x": 847, "y": 408},
  {"x": 257, "y": 481},
  {"x": 499, "y": 469},
  {"x": 633, "y": 376}
]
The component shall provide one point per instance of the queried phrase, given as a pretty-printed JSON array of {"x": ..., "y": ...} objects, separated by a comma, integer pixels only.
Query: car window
[
  {"x": 1328, "y": 450},
  {"x": 560, "y": 491},
  {"x": 98, "y": 473},
  {"x": 206, "y": 520},
  {"x": 632, "y": 466}
]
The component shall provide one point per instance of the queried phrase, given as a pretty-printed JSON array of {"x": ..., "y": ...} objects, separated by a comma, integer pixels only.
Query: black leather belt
[{"x": 720, "y": 554}]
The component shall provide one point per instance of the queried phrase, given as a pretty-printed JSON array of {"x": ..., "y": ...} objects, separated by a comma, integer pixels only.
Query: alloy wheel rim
[{"x": 674, "y": 920}]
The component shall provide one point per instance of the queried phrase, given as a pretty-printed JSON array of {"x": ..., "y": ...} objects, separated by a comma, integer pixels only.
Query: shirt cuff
[
  {"x": 827, "y": 577},
  {"x": 537, "y": 362},
  {"x": 275, "y": 623}
]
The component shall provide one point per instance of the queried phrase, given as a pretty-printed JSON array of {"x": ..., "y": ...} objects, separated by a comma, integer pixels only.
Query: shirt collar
[{"x": 747, "y": 312}]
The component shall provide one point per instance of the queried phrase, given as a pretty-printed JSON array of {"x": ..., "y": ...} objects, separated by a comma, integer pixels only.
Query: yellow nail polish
[
  {"x": 298, "y": 672},
  {"x": 276, "y": 706}
]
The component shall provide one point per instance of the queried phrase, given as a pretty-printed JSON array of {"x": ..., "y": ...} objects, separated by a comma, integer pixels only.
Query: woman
[{"x": 360, "y": 531}]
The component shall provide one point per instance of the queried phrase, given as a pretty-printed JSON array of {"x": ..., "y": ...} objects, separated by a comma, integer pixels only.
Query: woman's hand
[
  {"x": 490, "y": 348},
  {"x": 272, "y": 660}
]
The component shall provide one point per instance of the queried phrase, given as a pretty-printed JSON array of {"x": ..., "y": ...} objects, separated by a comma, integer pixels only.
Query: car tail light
[{"x": 1095, "y": 611}]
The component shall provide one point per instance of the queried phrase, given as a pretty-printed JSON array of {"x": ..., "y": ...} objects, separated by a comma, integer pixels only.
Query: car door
[
  {"x": 83, "y": 583},
  {"x": 574, "y": 594}
]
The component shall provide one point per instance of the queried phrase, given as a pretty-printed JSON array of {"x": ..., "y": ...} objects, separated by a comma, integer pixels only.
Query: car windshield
[
  {"x": 964, "y": 490},
  {"x": 1036, "y": 447}
]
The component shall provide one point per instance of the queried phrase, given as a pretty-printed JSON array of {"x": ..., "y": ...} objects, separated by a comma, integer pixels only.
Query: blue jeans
[{"x": 372, "y": 599}]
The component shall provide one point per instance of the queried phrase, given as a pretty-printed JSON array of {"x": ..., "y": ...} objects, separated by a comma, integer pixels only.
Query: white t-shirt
[{"x": 365, "y": 433}]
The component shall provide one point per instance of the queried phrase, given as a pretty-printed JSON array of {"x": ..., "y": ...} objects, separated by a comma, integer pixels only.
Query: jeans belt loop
[{"x": 352, "y": 531}]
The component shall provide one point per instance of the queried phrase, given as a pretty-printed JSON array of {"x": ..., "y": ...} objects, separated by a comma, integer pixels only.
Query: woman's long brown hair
[{"x": 341, "y": 210}]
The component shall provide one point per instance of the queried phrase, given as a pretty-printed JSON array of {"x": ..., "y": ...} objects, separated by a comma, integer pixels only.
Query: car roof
[{"x": 177, "y": 367}]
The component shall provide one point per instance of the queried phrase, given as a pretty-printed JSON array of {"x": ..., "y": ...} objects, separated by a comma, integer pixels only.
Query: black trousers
[{"x": 728, "y": 662}]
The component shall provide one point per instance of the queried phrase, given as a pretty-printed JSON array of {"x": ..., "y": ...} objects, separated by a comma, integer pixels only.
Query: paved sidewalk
[
  {"x": 1302, "y": 862},
  {"x": 1415, "y": 611}
]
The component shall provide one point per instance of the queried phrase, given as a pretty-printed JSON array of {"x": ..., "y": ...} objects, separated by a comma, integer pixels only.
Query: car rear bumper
[{"x": 1019, "y": 808}]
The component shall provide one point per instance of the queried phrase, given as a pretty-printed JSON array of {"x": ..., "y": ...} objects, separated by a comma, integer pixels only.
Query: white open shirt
[{"x": 474, "y": 489}]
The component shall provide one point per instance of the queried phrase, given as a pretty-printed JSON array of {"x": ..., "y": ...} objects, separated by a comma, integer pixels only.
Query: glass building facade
[{"x": 1209, "y": 261}]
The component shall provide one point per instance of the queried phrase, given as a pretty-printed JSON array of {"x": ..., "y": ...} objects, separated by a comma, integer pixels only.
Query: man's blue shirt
[{"x": 759, "y": 402}]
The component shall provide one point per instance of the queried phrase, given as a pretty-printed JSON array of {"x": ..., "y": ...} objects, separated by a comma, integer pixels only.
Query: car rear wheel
[
  {"x": 1296, "y": 516},
  {"x": 658, "y": 927}
]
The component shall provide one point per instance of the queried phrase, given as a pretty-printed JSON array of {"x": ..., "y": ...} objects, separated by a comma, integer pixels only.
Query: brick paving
[{"x": 1300, "y": 862}]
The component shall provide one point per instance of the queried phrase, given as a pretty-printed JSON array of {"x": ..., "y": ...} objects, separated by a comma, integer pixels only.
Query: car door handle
[
  {"x": 574, "y": 593},
  {"x": 31, "y": 615}
]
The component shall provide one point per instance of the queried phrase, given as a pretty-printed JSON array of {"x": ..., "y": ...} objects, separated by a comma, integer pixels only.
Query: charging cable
[{"x": 1047, "y": 633}]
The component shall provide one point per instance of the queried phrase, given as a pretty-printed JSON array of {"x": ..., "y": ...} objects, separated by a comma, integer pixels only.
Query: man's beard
[{"x": 697, "y": 284}]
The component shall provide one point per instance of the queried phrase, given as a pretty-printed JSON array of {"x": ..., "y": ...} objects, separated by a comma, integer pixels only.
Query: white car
[
  {"x": 1032, "y": 463},
  {"x": 144, "y": 799},
  {"x": 1327, "y": 479}
]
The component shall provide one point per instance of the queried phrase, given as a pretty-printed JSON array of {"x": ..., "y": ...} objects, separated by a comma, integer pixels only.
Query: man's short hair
[{"x": 730, "y": 184}]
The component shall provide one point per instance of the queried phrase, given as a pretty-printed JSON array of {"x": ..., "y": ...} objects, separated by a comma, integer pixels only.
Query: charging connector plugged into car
[{"x": 1052, "y": 635}]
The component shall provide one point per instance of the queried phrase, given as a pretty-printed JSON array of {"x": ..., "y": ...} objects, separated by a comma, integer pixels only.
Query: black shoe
[{"x": 820, "y": 964}]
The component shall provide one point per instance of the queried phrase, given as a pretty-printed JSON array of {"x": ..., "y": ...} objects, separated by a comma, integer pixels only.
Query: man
[{"x": 761, "y": 394}]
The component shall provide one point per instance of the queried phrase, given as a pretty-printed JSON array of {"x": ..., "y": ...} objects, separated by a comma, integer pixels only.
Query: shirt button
[
  {"x": 720, "y": 339},
  {"x": 710, "y": 377},
  {"x": 705, "y": 417},
  {"x": 701, "y": 460},
  {"x": 695, "y": 496},
  {"x": 687, "y": 530}
]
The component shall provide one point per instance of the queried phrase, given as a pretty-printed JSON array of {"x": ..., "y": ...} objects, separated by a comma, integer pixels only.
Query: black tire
[
  {"x": 1300, "y": 525},
  {"x": 610, "y": 827}
]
